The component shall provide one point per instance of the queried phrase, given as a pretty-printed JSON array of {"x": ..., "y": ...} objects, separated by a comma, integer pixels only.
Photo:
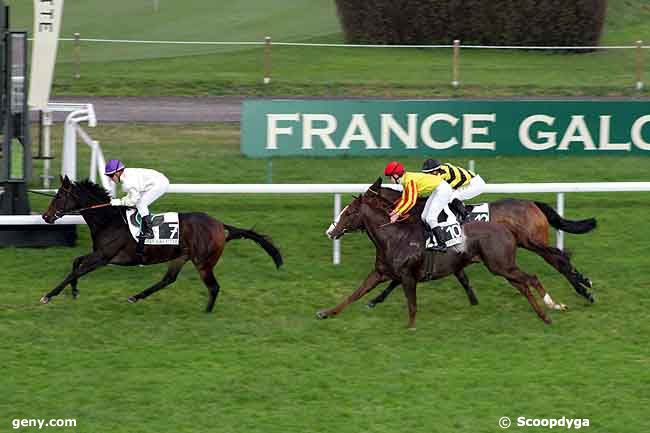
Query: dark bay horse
[
  {"x": 530, "y": 222},
  {"x": 400, "y": 254},
  {"x": 202, "y": 240}
]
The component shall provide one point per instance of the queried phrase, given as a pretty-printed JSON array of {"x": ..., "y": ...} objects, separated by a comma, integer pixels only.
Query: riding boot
[
  {"x": 434, "y": 241},
  {"x": 460, "y": 210},
  {"x": 146, "y": 231}
]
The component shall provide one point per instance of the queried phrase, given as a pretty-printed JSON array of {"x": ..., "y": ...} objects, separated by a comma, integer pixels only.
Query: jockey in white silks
[
  {"x": 465, "y": 183},
  {"x": 142, "y": 186}
]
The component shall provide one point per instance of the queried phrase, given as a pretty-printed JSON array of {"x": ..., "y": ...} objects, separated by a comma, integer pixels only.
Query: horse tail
[
  {"x": 555, "y": 220},
  {"x": 260, "y": 239}
]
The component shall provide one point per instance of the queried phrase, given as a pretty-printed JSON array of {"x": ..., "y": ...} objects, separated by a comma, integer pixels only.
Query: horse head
[
  {"x": 72, "y": 196},
  {"x": 353, "y": 217}
]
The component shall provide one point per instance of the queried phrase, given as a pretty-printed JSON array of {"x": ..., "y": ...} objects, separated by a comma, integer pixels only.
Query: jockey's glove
[{"x": 116, "y": 202}]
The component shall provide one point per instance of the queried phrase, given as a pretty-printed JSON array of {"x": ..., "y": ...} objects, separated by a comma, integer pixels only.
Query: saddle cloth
[
  {"x": 166, "y": 228},
  {"x": 479, "y": 212}
]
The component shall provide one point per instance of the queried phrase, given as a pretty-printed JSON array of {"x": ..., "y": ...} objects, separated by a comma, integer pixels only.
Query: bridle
[{"x": 69, "y": 192}]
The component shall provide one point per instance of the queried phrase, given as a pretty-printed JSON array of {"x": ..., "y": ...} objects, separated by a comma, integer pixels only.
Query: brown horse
[
  {"x": 530, "y": 222},
  {"x": 400, "y": 254},
  {"x": 202, "y": 240}
]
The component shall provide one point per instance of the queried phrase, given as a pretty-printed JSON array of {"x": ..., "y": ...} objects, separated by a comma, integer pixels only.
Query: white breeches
[
  {"x": 436, "y": 203},
  {"x": 150, "y": 196},
  {"x": 475, "y": 187}
]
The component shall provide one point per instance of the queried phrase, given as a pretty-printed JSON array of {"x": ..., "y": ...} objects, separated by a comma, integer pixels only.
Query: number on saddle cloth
[
  {"x": 453, "y": 233},
  {"x": 165, "y": 227}
]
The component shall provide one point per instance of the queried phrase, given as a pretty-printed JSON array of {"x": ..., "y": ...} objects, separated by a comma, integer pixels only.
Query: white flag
[{"x": 48, "y": 15}]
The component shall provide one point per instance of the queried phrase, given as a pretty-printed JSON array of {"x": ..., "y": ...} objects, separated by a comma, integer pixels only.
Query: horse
[
  {"x": 202, "y": 240},
  {"x": 530, "y": 222},
  {"x": 400, "y": 254}
]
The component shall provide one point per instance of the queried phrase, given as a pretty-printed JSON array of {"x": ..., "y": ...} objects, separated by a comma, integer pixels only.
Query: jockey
[
  {"x": 466, "y": 184},
  {"x": 421, "y": 185},
  {"x": 143, "y": 186}
]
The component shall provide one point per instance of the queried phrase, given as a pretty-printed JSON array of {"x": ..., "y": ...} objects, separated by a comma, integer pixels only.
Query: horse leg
[
  {"x": 550, "y": 303},
  {"x": 409, "y": 285},
  {"x": 559, "y": 260},
  {"x": 462, "y": 278},
  {"x": 383, "y": 295},
  {"x": 504, "y": 265},
  {"x": 520, "y": 279},
  {"x": 173, "y": 270},
  {"x": 73, "y": 283},
  {"x": 212, "y": 284},
  {"x": 368, "y": 284},
  {"x": 85, "y": 264}
]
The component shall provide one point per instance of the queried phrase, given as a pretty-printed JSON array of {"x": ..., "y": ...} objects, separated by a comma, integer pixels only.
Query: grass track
[
  {"x": 139, "y": 69},
  {"x": 262, "y": 362}
]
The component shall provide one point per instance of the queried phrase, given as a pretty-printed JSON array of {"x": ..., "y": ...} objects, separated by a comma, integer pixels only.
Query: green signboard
[{"x": 443, "y": 127}]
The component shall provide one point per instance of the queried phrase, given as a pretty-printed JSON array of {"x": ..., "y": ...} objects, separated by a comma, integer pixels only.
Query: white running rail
[{"x": 355, "y": 188}]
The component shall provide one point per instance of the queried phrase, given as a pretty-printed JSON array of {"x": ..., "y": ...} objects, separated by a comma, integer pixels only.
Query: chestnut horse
[
  {"x": 530, "y": 222},
  {"x": 400, "y": 254},
  {"x": 202, "y": 240}
]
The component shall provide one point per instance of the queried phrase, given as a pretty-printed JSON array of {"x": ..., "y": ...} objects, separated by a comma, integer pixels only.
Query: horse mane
[
  {"x": 93, "y": 190},
  {"x": 414, "y": 214},
  {"x": 382, "y": 202}
]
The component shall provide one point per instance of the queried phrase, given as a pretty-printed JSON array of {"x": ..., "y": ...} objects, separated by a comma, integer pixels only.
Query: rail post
[
  {"x": 560, "y": 210},
  {"x": 639, "y": 65},
  {"x": 336, "y": 254},
  {"x": 455, "y": 64},
  {"x": 267, "y": 60},
  {"x": 77, "y": 55}
]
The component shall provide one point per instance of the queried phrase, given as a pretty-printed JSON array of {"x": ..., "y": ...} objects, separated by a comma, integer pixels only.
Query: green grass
[
  {"x": 144, "y": 69},
  {"x": 262, "y": 362}
]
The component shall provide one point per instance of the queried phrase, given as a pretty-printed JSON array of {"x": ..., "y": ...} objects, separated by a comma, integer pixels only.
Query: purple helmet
[{"x": 113, "y": 166}]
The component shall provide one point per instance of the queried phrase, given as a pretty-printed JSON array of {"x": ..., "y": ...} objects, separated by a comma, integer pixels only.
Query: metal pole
[
  {"x": 639, "y": 65},
  {"x": 455, "y": 61},
  {"x": 336, "y": 255},
  {"x": 156, "y": 5},
  {"x": 46, "y": 123},
  {"x": 472, "y": 166},
  {"x": 77, "y": 55},
  {"x": 560, "y": 211},
  {"x": 267, "y": 60},
  {"x": 269, "y": 171},
  {"x": 69, "y": 159}
]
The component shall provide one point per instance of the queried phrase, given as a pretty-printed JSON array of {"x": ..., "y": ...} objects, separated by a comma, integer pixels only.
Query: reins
[
  {"x": 47, "y": 194},
  {"x": 379, "y": 196},
  {"x": 389, "y": 223},
  {"x": 76, "y": 211}
]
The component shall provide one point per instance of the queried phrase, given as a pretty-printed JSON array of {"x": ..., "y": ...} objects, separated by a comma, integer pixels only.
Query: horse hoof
[
  {"x": 371, "y": 305},
  {"x": 589, "y": 283},
  {"x": 591, "y": 298},
  {"x": 45, "y": 300},
  {"x": 132, "y": 299},
  {"x": 547, "y": 320},
  {"x": 561, "y": 307},
  {"x": 321, "y": 315}
]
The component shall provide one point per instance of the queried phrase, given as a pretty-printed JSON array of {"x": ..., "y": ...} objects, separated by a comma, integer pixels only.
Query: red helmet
[{"x": 394, "y": 168}]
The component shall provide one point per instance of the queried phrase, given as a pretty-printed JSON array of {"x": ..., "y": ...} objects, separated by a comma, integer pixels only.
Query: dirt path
[{"x": 177, "y": 109}]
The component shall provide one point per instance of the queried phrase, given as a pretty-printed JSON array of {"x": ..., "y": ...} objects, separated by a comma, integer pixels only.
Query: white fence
[{"x": 354, "y": 188}]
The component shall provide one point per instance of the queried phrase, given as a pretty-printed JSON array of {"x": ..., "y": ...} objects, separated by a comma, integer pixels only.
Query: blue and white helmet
[{"x": 113, "y": 166}]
